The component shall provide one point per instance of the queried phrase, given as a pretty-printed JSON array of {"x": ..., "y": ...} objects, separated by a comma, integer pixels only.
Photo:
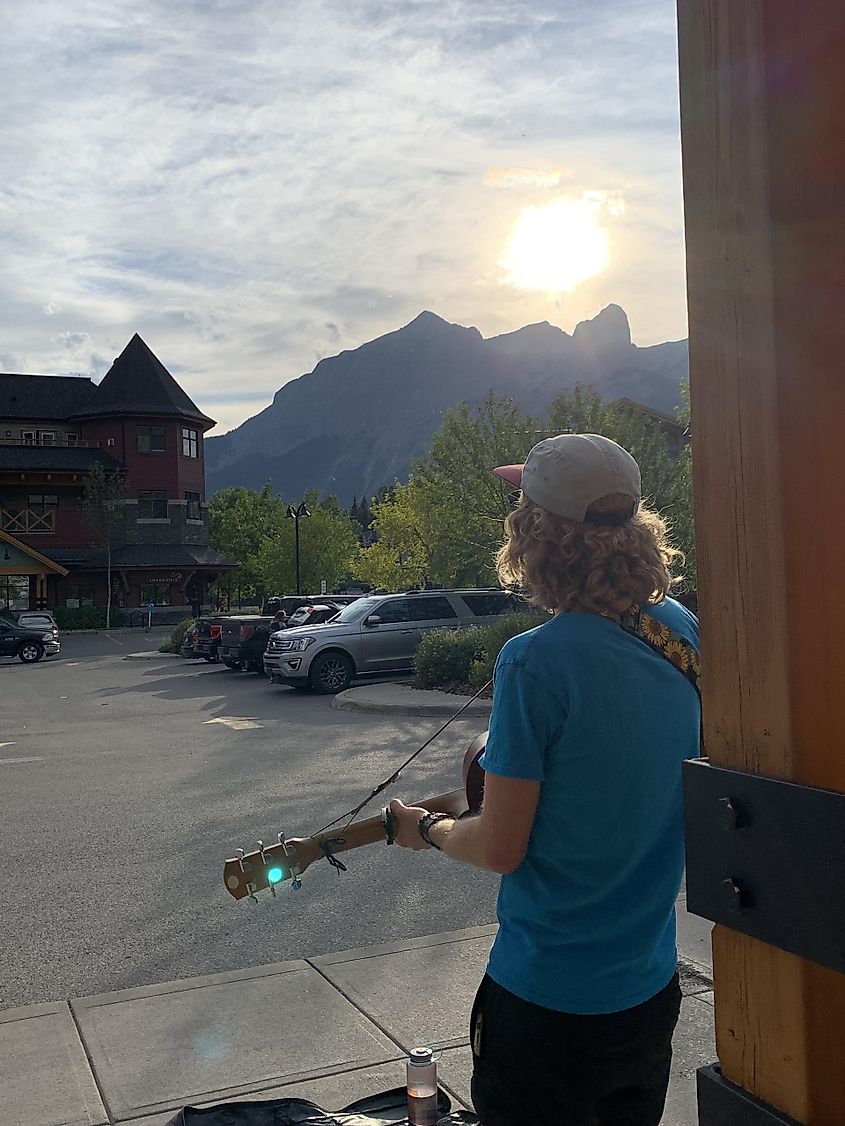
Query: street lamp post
[{"x": 295, "y": 514}]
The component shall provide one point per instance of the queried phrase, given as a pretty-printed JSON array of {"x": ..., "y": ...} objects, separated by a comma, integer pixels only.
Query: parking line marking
[
  {"x": 12, "y": 743},
  {"x": 4, "y": 761},
  {"x": 237, "y": 723}
]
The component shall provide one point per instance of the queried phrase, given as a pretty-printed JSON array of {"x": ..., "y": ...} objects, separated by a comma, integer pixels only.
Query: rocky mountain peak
[{"x": 608, "y": 331}]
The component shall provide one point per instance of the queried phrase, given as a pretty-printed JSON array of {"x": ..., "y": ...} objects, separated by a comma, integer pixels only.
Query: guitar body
[
  {"x": 474, "y": 775},
  {"x": 265, "y": 868}
]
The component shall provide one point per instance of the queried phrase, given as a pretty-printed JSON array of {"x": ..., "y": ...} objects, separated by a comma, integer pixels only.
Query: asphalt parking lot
[{"x": 124, "y": 784}]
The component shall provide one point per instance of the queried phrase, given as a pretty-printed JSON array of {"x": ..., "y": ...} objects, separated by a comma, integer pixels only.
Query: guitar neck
[{"x": 371, "y": 830}]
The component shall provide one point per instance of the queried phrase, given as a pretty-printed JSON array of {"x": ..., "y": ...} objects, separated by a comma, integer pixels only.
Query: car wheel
[
  {"x": 31, "y": 651},
  {"x": 331, "y": 673}
]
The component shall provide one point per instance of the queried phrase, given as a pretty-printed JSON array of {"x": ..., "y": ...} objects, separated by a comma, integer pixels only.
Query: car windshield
[{"x": 356, "y": 610}]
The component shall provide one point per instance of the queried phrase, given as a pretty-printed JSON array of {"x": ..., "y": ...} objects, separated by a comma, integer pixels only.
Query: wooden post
[{"x": 763, "y": 129}]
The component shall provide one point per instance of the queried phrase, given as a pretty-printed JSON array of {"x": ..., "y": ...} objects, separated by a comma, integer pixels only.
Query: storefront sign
[{"x": 173, "y": 577}]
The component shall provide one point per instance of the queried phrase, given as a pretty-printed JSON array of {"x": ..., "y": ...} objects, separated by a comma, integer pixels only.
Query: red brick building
[{"x": 137, "y": 422}]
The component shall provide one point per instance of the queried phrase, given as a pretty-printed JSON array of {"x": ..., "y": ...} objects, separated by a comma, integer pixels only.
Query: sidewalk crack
[{"x": 91, "y": 1066}]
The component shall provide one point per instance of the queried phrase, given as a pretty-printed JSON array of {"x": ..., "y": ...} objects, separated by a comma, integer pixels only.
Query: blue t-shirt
[{"x": 587, "y": 920}]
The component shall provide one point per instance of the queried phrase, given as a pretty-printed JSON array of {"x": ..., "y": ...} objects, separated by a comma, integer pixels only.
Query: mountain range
[{"x": 358, "y": 420}]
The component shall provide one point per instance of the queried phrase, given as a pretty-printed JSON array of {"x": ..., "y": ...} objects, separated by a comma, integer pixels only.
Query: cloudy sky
[{"x": 255, "y": 184}]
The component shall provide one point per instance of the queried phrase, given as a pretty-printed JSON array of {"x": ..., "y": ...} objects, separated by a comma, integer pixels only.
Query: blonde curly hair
[{"x": 601, "y": 568}]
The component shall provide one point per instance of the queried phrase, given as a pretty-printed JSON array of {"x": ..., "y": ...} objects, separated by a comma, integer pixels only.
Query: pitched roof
[
  {"x": 139, "y": 383},
  {"x": 43, "y": 396},
  {"x": 28, "y": 549},
  {"x": 159, "y": 555},
  {"x": 72, "y": 459}
]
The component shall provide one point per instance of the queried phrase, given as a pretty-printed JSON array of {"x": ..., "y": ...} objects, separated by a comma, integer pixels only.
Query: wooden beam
[{"x": 763, "y": 121}]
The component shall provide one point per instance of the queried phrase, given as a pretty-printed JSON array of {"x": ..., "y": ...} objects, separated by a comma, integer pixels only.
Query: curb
[
  {"x": 397, "y": 700},
  {"x": 153, "y": 656}
]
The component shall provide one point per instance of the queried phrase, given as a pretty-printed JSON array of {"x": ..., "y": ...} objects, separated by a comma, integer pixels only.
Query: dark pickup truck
[
  {"x": 207, "y": 639},
  {"x": 27, "y": 644},
  {"x": 235, "y": 632}
]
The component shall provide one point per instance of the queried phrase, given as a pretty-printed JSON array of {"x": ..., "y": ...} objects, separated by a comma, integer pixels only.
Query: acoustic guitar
[{"x": 268, "y": 866}]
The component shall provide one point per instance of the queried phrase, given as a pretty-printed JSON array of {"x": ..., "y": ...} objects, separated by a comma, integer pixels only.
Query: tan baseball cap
[{"x": 568, "y": 473}]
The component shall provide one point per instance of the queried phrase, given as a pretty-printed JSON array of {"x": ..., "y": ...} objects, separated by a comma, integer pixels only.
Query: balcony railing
[
  {"x": 61, "y": 441},
  {"x": 26, "y": 521}
]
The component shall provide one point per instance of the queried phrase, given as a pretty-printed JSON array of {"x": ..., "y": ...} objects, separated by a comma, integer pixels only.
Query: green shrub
[
  {"x": 83, "y": 617},
  {"x": 445, "y": 656},
  {"x": 177, "y": 637},
  {"x": 494, "y": 637}
]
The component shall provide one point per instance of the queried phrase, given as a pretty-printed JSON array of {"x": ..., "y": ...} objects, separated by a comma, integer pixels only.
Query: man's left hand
[{"x": 406, "y": 819}]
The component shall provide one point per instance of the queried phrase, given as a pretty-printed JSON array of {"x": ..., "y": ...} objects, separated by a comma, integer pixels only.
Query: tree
[
  {"x": 460, "y": 502},
  {"x": 103, "y": 509},
  {"x": 400, "y": 555},
  {"x": 327, "y": 549},
  {"x": 240, "y": 520}
]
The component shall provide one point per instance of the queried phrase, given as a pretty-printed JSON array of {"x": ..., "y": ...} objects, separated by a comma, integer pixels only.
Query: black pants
[{"x": 534, "y": 1066}]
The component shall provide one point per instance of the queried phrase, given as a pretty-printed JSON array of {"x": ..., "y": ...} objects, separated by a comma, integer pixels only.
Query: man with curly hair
[{"x": 593, "y": 713}]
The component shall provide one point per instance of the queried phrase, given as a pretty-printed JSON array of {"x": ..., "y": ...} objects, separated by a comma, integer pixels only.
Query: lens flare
[{"x": 274, "y": 875}]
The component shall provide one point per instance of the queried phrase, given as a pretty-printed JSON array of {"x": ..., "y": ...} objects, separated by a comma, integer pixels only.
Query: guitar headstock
[{"x": 267, "y": 866}]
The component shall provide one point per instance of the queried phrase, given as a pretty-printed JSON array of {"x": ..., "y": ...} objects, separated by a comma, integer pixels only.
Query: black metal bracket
[
  {"x": 767, "y": 857},
  {"x": 721, "y": 1103}
]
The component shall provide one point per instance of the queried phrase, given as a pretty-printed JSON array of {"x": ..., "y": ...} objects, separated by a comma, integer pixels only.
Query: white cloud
[
  {"x": 252, "y": 185},
  {"x": 525, "y": 177}
]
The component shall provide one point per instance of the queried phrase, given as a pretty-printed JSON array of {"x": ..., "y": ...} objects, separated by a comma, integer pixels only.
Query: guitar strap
[{"x": 665, "y": 642}]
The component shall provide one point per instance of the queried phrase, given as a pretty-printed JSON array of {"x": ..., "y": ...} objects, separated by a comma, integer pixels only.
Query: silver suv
[{"x": 376, "y": 634}]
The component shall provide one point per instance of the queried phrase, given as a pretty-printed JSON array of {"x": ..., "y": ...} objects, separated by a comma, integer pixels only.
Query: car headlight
[
  {"x": 296, "y": 644},
  {"x": 47, "y": 637}
]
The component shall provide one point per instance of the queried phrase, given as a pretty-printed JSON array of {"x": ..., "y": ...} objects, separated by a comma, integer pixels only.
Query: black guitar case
[{"x": 391, "y": 1107}]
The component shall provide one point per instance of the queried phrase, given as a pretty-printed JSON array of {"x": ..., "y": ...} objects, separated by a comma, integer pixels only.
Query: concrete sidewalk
[
  {"x": 331, "y": 1028},
  {"x": 386, "y": 698}
]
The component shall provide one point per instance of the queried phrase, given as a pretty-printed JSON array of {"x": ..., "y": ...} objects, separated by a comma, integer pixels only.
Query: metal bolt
[
  {"x": 732, "y": 895},
  {"x": 731, "y": 814}
]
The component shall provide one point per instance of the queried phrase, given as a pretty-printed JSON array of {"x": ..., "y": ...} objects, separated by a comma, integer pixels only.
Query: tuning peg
[
  {"x": 273, "y": 889},
  {"x": 296, "y": 883},
  {"x": 282, "y": 841},
  {"x": 240, "y": 854},
  {"x": 261, "y": 850},
  {"x": 253, "y": 898}
]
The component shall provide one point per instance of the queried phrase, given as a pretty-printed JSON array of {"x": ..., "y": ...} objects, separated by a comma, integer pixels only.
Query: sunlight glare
[{"x": 557, "y": 246}]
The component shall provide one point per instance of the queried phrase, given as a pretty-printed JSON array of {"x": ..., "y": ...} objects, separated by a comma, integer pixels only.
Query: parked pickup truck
[
  {"x": 235, "y": 631},
  {"x": 207, "y": 638},
  {"x": 25, "y": 643}
]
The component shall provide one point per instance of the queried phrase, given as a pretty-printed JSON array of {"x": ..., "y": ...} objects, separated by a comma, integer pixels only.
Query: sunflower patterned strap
[{"x": 657, "y": 636}]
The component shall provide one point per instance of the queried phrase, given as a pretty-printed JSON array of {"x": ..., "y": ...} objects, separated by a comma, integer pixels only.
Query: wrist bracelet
[{"x": 425, "y": 823}]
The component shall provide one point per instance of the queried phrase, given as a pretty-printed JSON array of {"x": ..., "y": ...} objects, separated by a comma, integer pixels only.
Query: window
[
  {"x": 80, "y": 594},
  {"x": 40, "y": 502},
  {"x": 190, "y": 442},
  {"x": 47, "y": 437},
  {"x": 150, "y": 439},
  {"x": 192, "y": 503},
  {"x": 486, "y": 605},
  {"x": 152, "y": 505},
  {"x": 28, "y": 436},
  {"x": 395, "y": 611},
  {"x": 14, "y": 592},
  {"x": 431, "y": 609},
  {"x": 157, "y": 593},
  {"x": 72, "y": 439}
]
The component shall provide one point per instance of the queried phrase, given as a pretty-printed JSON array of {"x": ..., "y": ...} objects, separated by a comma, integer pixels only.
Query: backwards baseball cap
[{"x": 566, "y": 474}]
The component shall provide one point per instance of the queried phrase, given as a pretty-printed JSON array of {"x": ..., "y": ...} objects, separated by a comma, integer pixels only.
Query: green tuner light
[{"x": 274, "y": 875}]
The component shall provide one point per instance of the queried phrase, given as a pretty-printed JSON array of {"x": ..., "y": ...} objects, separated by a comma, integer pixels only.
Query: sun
[{"x": 556, "y": 247}]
